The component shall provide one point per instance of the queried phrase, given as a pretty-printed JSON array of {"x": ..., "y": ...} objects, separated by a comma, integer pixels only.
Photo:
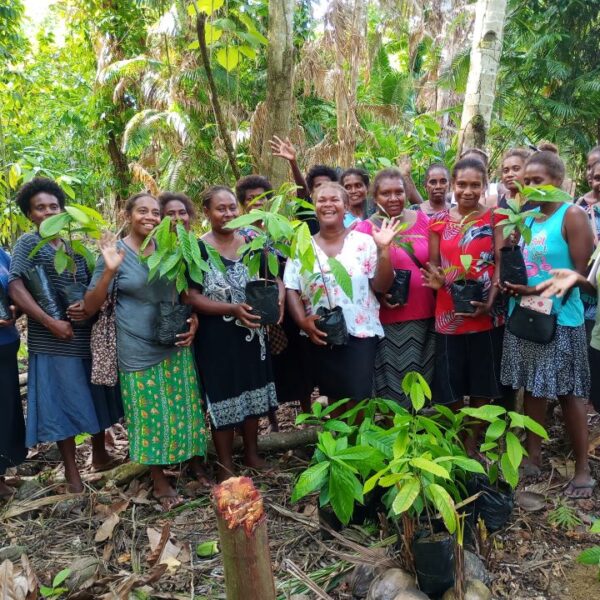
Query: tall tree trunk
[
  {"x": 214, "y": 96},
  {"x": 481, "y": 85},
  {"x": 120, "y": 168},
  {"x": 280, "y": 86}
]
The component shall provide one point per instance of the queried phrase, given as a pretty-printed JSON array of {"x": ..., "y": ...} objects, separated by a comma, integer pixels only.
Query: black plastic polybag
[
  {"x": 495, "y": 503},
  {"x": 333, "y": 323},
  {"x": 465, "y": 292},
  {"x": 434, "y": 563},
  {"x": 512, "y": 265},
  {"x": 71, "y": 294},
  {"x": 263, "y": 297},
  {"x": 5, "y": 312},
  {"x": 400, "y": 288},
  {"x": 171, "y": 321},
  {"x": 38, "y": 284}
]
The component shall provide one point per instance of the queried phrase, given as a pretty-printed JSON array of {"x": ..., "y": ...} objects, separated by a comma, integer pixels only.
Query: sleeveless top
[{"x": 549, "y": 250}]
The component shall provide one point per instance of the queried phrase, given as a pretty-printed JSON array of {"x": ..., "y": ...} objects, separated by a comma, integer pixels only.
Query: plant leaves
[
  {"x": 342, "y": 491},
  {"x": 591, "y": 556},
  {"x": 341, "y": 276},
  {"x": 534, "y": 427},
  {"x": 207, "y": 549},
  {"x": 55, "y": 224},
  {"x": 495, "y": 430},
  {"x": 444, "y": 504},
  {"x": 78, "y": 215},
  {"x": 105, "y": 531},
  {"x": 228, "y": 57},
  {"x": 310, "y": 480},
  {"x": 407, "y": 494},
  {"x": 514, "y": 449},
  {"x": 428, "y": 465}
]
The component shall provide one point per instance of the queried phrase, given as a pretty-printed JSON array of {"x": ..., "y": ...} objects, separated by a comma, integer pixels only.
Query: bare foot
[
  {"x": 196, "y": 468},
  {"x": 103, "y": 461},
  {"x": 254, "y": 461}
]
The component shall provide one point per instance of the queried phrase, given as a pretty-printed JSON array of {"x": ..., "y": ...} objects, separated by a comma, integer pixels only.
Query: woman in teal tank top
[{"x": 559, "y": 369}]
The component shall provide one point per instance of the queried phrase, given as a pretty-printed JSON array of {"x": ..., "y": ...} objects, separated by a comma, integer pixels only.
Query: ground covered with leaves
[{"x": 116, "y": 543}]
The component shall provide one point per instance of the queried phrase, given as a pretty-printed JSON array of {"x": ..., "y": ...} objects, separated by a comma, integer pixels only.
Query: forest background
[{"x": 113, "y": 96}]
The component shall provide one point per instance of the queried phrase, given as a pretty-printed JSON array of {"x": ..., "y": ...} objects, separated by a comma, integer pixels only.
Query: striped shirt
[{"x": 39, "y": 339}]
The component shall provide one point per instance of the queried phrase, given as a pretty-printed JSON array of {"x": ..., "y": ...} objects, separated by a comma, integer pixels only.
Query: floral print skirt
[{"x": 164, "y": 414}]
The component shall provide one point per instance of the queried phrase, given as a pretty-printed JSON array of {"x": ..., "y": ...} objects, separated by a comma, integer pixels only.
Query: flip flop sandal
[{"x": 573, "y": 487}]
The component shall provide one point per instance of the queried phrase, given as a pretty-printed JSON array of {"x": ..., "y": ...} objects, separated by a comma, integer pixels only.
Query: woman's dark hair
[
  {"x": 478, "y": 152},
  {"x": 165, "y": 197},
  {"x": 391, "y": 173},
  {"x": 433, "y": 167},
  {"x": 358, "y": 172},
  {"x": 470, "y": 163},
  {"x": 550, "y": 161},
  {"x": 548, "y": 147},
  {"x": 251, "y": 182},
  {"x": 37, "y": 186},
  {"x": 130, "y": 202},
  {"x": 522, "y": 153},
  {"x": 212, "y": 191},
  {"x": 320, "y": 171}
]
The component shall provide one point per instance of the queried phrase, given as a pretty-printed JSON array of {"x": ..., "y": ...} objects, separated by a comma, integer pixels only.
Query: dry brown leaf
[
  {"x": 114, "y": 508},
  {"x": 565, "y": 468},
  {"x": 107, "y": 552},
  {"x": 124, "y": 558},
  {"x": 161, "y": 549},
  {"x": 105, "y": 531},
  {"x": 12, "y": 587},
  {"x": 531, "y": 501},
  {"x": 17, "y": 508},
  {"x": 31, "y": 578}
]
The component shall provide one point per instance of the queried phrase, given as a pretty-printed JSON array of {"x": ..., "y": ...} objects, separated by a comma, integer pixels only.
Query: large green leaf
[
  {"x": 310, "y": 480},
  {"x": 510, "y": 473},
  {"x": 591, "y": 556},
  {"x": 495, "y": 430},
  {"x": 78, "y": 215},
  {"x": 55, "y": 224},
  {"x": 430, "y": 467},
  {"x": 534, "y": 427},
  {"x": 341, "y": 276},
  {"x": 407, "y": 494},
  {"x": 444, "y": 503},
  {"x": 228, "y": 57},
  {"x": 61, "y": 260},
  {"x": 489, "y": 412},
  {"x": 342, "y": 491},
  {"x": 514, "y": 449}
]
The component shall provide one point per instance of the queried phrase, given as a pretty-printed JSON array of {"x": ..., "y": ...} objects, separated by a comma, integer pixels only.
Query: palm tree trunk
[
  {"x": 280, "y": 86},
  {"x": 481, "y": 85}
]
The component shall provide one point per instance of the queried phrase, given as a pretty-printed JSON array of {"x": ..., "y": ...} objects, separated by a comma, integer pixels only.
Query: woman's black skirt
[{"x": 345, "y": 371}]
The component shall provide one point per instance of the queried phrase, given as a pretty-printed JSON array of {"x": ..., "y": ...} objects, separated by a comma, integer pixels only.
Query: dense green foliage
[{"x": 111, "y": 97}]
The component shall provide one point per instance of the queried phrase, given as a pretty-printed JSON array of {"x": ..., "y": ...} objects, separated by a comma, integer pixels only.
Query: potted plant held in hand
[
  {"x": 78, "y": 224},
  {"x": 270, "y": 230},
  {"x": 176, "y": 258},
  {"x": 463, "y": 290},
  {"x": 519, "y": 217}
]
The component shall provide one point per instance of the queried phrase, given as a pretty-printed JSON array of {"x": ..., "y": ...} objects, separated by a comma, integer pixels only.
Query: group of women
[{"x": 234, "y": 370}]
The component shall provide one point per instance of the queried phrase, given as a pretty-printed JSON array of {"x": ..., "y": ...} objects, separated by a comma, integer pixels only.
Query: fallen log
[
  {"x": 271, "y": 442},
  {"x": 242, "y": 527}
]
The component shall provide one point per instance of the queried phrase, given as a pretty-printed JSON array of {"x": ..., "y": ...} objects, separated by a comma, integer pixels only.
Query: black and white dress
[{"x": 233, "y": 361}]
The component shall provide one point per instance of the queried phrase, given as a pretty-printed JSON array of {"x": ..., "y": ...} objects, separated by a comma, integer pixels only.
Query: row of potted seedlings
[{"x": 379, "y": 456}]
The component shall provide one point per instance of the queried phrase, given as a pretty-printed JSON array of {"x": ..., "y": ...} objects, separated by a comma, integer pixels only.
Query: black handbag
[{"x": 532, "y": 325}]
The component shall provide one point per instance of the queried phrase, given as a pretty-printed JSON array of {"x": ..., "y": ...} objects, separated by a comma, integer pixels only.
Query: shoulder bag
[{"x": 103, "y": 343}]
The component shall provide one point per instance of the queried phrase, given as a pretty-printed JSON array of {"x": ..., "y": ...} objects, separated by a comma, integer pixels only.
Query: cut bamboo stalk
[{"x": 242, "y": 527}]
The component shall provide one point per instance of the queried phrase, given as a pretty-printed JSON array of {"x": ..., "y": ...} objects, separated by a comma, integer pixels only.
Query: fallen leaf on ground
[
  {"x": 531, "y": 501},
  {"x": 105, "y": 531},
  {"x": 161, "y": 548},
  {"x": 566, "y": 468}
]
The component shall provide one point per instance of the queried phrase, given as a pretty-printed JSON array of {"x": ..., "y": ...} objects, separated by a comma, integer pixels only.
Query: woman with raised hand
[
  {"x": 468, "y": 345},
  {"x": 437, "y": 186},
  {"x": 342, "y": 371},
  {"x": 562, "y": 239},
  {"x": 231, "y": 347},
  {"x": 12, "y": 426},
  {"x": 409, "y": 342},
  {"x": 160, "y": 390},
  {"x": 61, "y": 400}
]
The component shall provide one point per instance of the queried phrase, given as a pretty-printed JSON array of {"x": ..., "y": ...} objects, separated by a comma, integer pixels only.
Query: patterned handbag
[{"x": 103, "y": 344}]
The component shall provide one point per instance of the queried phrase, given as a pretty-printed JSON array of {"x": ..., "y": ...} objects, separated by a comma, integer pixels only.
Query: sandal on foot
[{"x": 571, "y": 490}]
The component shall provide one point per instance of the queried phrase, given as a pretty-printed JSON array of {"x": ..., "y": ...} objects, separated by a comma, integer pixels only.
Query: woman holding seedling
[
  {"x": 349, "y": 267},
  {"x": 557, "y": 368},
  {"x": 160, "y": 390},
  {"x": 231, "y": 349},
  {"x": 462, "y": 258},
  {"x": 407, "y": 308},
  {"x": 61, "y": 401}
]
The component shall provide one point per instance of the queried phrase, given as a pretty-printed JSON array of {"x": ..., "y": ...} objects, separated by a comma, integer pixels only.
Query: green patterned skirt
[{"x": 165, "y": 421}]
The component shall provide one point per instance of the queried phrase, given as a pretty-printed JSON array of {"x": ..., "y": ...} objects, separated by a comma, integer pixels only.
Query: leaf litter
[{"x": 118, "y": 540}]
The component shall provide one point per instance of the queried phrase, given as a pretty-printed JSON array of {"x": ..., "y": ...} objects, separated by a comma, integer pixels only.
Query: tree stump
[{"x": 244, "y": 543}]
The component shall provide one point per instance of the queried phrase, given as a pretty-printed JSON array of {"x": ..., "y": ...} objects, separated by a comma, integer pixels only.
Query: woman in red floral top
[{"x": 468, "y": 346}]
